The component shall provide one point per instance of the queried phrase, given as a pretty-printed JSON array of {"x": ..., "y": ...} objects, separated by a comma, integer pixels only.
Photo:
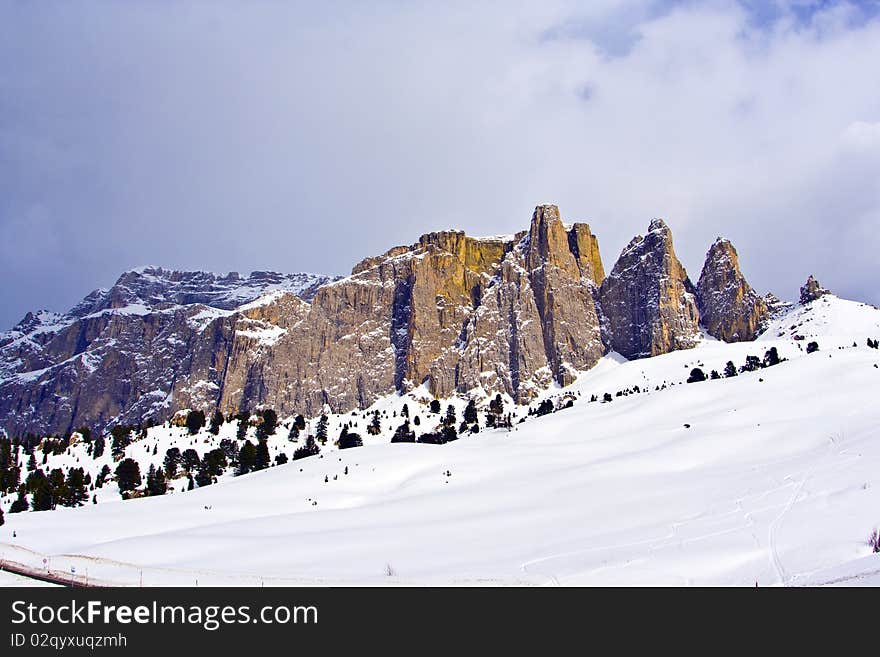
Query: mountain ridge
[{"x": 512, "y": 314}]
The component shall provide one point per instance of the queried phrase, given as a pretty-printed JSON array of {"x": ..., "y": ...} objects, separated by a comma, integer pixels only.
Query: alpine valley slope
[{"x": 768, "y": 477}]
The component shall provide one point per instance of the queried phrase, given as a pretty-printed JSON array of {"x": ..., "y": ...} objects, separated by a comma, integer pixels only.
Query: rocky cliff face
[
  {"x": 730, "y": 309},
  {"x": 120, "y": 353},
  {"x": 450, "y": 312},
  {"x": 648, "y": 301},
  {"x": 811, "y": 290}
]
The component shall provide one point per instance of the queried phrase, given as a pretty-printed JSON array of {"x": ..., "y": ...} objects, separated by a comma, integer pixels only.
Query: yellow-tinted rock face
[
  {"x": 730, "y": 310},
  {"x": 647, "y": 300},
  {"x": 585, "y": 246},
  {"x": 451, "y": 311}
]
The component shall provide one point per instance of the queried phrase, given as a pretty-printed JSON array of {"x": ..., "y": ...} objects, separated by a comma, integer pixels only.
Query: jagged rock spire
[
  {"x": 811, "y": 290},
  {"x": 730, "y": 309},
  {"x": 647, "y": 300},
  {"x": 561, "y": 264}
]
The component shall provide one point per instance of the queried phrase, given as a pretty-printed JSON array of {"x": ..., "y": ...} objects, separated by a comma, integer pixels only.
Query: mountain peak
[
  {"x": 657, "y": 225},
  {"x": 648, "y": 300},
  {"x": 812, "y": 290},
  {"x": 730, "y": 310}
]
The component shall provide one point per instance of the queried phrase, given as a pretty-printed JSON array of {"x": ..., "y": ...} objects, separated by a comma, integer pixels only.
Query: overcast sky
[{"x": 306, "y": 136}]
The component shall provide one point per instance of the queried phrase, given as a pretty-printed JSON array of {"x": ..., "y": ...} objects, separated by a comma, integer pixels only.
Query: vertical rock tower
[
  {"x": 649, "y": 303},
  {"x": 730, "y": 309}
]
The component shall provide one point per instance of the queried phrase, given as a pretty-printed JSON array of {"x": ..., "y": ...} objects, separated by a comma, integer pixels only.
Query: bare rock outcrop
[
  {"x": 730, "y": 309},
  {"x": 450, "y": 313},
  {"x": 648, "y": 302},
  {"x": 811, "y": 291}
]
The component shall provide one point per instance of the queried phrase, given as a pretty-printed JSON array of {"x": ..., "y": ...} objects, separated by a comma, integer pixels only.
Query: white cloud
[{"x": 193, "y": 130}]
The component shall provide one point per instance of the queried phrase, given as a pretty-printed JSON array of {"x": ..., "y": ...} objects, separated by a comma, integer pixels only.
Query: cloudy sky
[{"x": 304, "y": 136}]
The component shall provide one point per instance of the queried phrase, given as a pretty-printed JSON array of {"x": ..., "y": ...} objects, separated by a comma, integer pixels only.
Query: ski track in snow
[{"x": 774, "y": 528}]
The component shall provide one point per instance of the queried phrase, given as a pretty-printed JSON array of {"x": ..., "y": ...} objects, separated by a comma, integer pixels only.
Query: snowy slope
[{"x": 768, "y": 477}]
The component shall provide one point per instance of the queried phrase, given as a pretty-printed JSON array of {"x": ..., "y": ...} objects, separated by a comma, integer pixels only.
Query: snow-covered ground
[
  {"x": 11, "y": 579},
  {"x": 769, "y": 477}
]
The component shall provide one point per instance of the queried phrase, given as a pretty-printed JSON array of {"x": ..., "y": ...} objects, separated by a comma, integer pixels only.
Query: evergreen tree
[
  {"x": 470, "y": 412},
  {"x": 171, "y": 462},
  {"x": 696, "y": 376},
  {"x": 5, "y": 461},
  {"x": 216, "y": 422},
  {"x": 403, "y": 434},
  {"x": 230, "y": 449},
  {"x": 241, "y": 431},
  {"x": 58, "y": 487},
  {"x": 753, "y": 363},
  {"x": 729, "y": 369},
  {"x": 496, "y": 411},
  {"x": 375, "y": 427},
  {"x": 812, "y": 347},
  {"x": 98, "y": 446},
  {"x": 433, "y": 438},
  {"x": 293, "y": 434},
  {"x": 714, "y": 375},
  {"x": 435, "y": 406},
  {"x": 76, "y": 487},
  {"x": 281, "y": 458},
  {"x": 13, "y": 478},
  {"x": 2, "y": 521},
  {"x": 449, "y": 420},
  {"x": 41, "y": 492},
  {"x": 215, "y": 461},
  {"x": 348, "y": 439},
  {"x": 121, "y": 438},
  {"x": 321, "y": 431},
  {"x": 128, "y": 475},
  {"x": 203, "y": 476},
  {"x": 190, "y": 460},
  {"x": 103, "y": 475},
  {"x": 10, "y": 473},
  {"x": 262, "y": 460},
  {"x": 247, "y": 457},
  {"x": 156, "y": 484},
  {"x": 269, "y": 424},
  {"x": 544, "y": 408},
  {"x": 771, "y": 357},
  {"x": 21, "y": 503},
  {"x": 300, "y": 422},
  {"x": 496, "y": 406},
  {"x": 195, "y": 420},
  {"x": 309, "y": 449}
]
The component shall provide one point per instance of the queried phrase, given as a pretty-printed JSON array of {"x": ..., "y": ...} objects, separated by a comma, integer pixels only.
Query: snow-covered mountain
[
  {"x": 117, "y": 353},
  {"x": 451, "y": 313},
  {"x": 767, "y": 476}
]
